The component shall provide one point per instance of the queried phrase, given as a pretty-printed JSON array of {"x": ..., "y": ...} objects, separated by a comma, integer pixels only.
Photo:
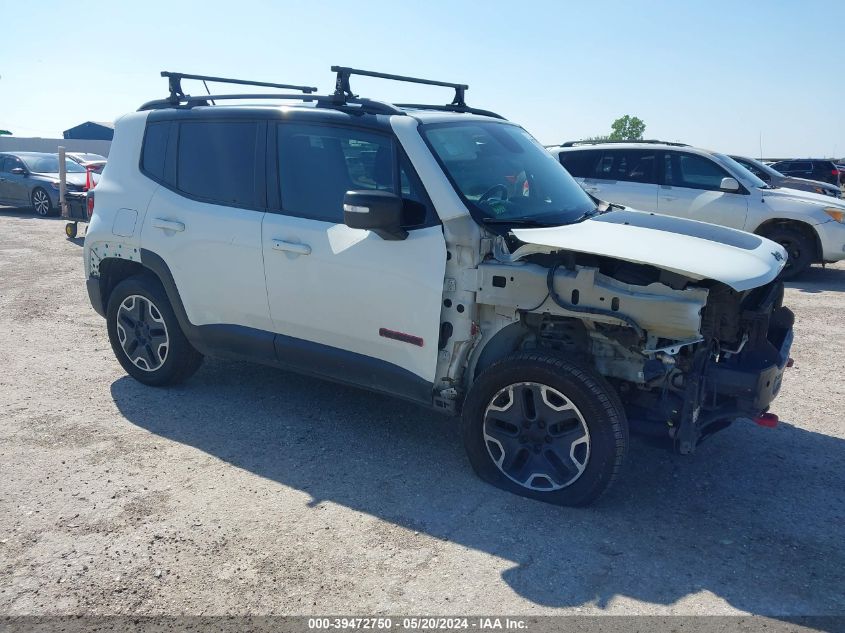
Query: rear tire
[
  {"x": 542, "y": 427},
  {"x": 41, "y": 203},
  {"x": 145, "y": 334},
  {"x": 800, "y": 250}
]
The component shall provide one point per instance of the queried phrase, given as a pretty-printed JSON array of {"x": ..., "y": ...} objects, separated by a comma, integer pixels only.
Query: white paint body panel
[
  {"x": 216, "y": 261},
  {"x": 695, "y": 249},
  {"x": 352, "y": 283}
]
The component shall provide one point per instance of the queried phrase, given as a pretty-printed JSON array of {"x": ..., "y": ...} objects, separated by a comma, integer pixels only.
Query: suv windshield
[
  {"x": 504, "y": 175},
  {"x": 50, "y": 165}
]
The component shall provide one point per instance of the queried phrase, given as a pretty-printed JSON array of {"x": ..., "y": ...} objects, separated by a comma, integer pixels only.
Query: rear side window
[
  {"x": 628, "y": 165},
  {"x": 155, "y": 150},
  {"x": 802, "y": 166},
  {"x": 216, "y": 161},
  {"x": 580, "y": 164},
  {"x": 319, "y": 164},
  {"x": 694, "y": 172}
]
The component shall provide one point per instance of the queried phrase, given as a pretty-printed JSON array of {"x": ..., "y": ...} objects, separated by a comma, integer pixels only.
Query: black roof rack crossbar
[
  {"x": 607, "y": 141},
  {"x": 449, "y": 108},
  {"x": 174, "y": 81},
  {"x": 188, "y": 101},
  {"x": 343, "y": 91}
]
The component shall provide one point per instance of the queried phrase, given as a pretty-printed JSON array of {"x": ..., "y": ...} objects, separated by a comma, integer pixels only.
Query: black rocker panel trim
[{"x": 306, "y": 357}]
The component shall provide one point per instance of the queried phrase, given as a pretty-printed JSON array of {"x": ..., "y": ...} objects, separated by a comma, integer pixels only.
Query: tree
[{"x": 627, "y": 128}]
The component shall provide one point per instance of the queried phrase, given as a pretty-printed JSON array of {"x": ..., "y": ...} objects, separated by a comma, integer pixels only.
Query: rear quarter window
[
  {"x": 155, "y": 150},
  {"x": 580, "y": 164}
]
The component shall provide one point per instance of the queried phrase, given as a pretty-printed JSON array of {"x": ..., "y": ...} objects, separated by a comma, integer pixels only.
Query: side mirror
[
  {"x": 377, "y": 211},
  {"x": 20, "y": 171},
  {"x": 729, "y": 184}
]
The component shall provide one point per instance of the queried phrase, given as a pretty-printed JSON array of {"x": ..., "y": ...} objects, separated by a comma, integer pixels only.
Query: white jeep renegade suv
[
  {"x": 438, "y": 254},
  {"x": 688, "y": 182}
]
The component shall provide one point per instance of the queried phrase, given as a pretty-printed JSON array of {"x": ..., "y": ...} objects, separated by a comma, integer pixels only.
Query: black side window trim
[{"x": 274, "y": 194}]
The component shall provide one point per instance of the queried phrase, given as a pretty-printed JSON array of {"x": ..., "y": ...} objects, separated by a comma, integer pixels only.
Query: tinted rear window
[
  {"x": 580, "y": 164},
  {"x": 216, "y": 161},
  {"x": 155, "y": 149}
]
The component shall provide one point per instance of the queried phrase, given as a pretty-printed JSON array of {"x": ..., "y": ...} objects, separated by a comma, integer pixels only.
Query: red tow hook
[{"x": 769, "y": 420}]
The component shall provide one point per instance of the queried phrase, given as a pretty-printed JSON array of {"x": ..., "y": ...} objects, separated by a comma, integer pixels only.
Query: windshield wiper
[{"x": 519, "y": 221}]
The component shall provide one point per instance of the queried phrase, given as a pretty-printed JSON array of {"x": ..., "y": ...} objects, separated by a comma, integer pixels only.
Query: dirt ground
[{"x": 251, "y": 490}]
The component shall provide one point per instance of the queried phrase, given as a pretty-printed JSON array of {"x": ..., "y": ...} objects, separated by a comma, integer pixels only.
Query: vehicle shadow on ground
[
  {"x": 755, "y": 516},
  {"x": 818, "y": 279}
]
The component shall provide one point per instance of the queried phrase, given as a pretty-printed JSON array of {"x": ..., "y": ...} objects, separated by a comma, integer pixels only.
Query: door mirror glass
[
  {"x": 729, "y": 184},
  {"x": 377, "y": 211},
  {"x": 20, "y": 171}
]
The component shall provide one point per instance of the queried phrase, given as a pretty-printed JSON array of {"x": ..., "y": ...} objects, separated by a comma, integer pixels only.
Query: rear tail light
[
  {"x": 90, "y": 203},
  {"x": 834, "y": 172}
]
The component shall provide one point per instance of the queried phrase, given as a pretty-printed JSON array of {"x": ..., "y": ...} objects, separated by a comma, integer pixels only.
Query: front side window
[
  {"x": 505, "y": 176},
  {"x": 318, "y": 164},
  {"x": 629, "y": 165},
  {"x": 216, "y": 161},
  {"x": 694, "y": 172}
]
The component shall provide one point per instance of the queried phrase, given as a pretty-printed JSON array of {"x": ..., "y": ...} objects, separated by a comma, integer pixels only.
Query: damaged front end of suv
[{"x": 664, "y": 309}]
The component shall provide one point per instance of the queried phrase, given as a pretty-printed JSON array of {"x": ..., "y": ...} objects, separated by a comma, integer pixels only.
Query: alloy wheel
[
  {"x": 142, "y": 333},
  {"x": 40, "y": 202},
  {"x": 536, "y": 436}
]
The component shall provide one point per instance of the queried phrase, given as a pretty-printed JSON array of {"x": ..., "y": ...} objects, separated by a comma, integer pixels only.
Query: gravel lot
[{"x": 251, "y": 490}]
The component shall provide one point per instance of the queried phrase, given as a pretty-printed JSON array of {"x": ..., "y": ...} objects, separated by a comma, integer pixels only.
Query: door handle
[
  {"x": 167, "y": 225},
  {"x": 291, "y": 247},
  {"x": 591, "y": 189},
  {"x": 668, "y": 198}
]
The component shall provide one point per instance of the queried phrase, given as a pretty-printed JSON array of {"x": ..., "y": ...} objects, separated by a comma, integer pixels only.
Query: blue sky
[{"x": 715, "y": 74}]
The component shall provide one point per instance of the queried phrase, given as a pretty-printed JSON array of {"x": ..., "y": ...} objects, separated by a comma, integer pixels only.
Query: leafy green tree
[{"x": 627, "y": 128}]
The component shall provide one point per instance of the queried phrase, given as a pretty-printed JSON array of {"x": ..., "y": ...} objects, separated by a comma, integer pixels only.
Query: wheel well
[
  {"x": 796, "y": 225},
  {"x": 114, "y": 270}
]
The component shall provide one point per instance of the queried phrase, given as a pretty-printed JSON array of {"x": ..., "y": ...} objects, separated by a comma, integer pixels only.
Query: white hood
[
  {"x": 694, "y": 249},
  {"x": 812, "y": 200}
]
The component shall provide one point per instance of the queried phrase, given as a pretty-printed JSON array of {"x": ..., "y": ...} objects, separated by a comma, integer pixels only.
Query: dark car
[
  {"x": 31, "y": 179},
  {"x": 822, "y": 169},
  {"x": 776, "y": 179}
]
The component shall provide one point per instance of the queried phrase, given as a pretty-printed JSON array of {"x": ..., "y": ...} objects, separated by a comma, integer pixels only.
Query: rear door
[
  {"x": 345, "y": 302},
  {"x": 205, "y": 220},
  {"x": 692, "y": 189},
  {"x": 624, "y": 176}
]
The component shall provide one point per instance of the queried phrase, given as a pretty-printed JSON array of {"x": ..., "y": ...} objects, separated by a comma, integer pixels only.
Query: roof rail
[
  {"x": 343, "y": 91},
  {"x": 651, "y": 141}
]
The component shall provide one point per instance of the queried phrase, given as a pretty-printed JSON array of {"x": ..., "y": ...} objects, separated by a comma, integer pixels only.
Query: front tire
[
  {"x": 800, "y": 250},
  {"x": 542, "y": 427},
  {"x": 145, "y": 334},
  {"x": 41, "y": 203}
]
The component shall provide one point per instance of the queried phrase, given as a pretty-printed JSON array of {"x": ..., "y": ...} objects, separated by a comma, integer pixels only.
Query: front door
[
  {"x": 344, "y": 302},
  {"x": 692, "y": 189}
]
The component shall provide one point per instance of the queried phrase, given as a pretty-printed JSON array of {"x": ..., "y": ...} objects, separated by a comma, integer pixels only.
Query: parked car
[
  {"x": 32, "y": 179},
  {"x": 438, "y": 254},
  {"x": 698, "y": 184},
  {"x": 86, "y": 158},
  {"x": 822, "y": 169},
  {"x": 774, "y": 178}
]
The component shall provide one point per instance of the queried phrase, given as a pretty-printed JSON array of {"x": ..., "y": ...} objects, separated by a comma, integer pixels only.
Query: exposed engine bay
[{"x": 687, "y": 357}]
